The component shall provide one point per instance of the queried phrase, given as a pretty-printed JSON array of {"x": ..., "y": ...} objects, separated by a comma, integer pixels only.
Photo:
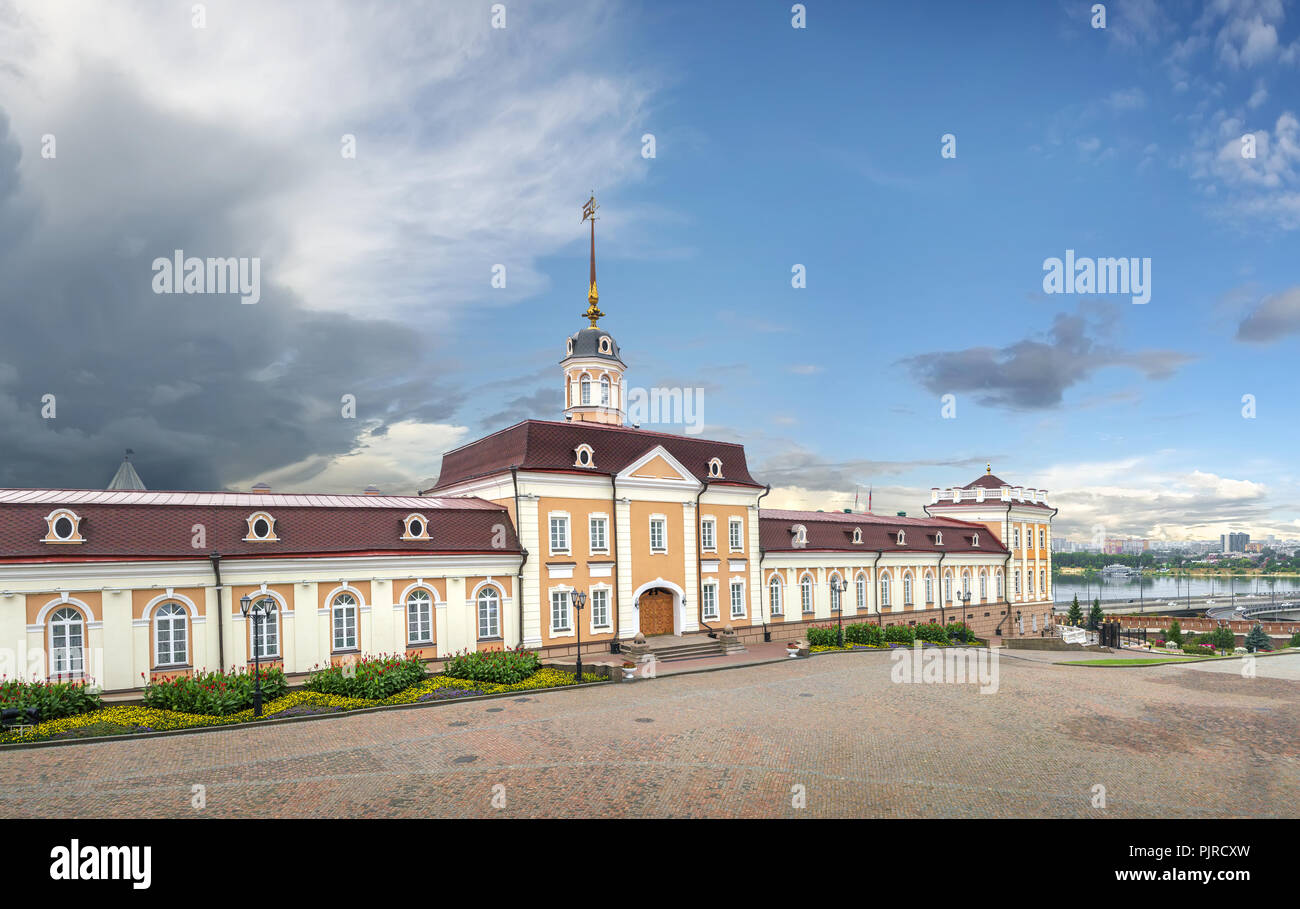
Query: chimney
[
  {"x": 262, "y": 487},
  {"x": 372, "y": 490}
]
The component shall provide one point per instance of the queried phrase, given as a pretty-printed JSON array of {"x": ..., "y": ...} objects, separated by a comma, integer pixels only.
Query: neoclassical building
[{"x": 664, "y": 533}]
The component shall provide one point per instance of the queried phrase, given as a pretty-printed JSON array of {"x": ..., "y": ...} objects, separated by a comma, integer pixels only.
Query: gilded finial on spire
[
  {"x": 988, "y": 468},
  {"x": 593, "y": 312}
]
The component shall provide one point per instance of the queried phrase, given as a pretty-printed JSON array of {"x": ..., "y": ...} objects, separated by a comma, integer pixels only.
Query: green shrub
[
  {"x": 864, "y": 633},
  {"x": 932, "y": 632},
  {"x": 1258, "y": 639},
  {"x": 1223, "y": 639},
  {"x": 1198, "y": 649},
  {"x": 371, "y": 677},
  {"x": 823, "y": 636},
  {"x": 1174, "y": 634},
  {"x": 53, "y": 700},
  {"x": 1295, "y": 639},
  {"x": 214, "y": 693},
  {"x": 504, "y": 667},
  {"x": 899, "y": 634},
  {"x": 961, "y": 633}
]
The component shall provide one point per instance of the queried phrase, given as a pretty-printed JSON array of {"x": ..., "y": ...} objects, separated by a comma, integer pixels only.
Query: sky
[{"x": 383, "y": 162}]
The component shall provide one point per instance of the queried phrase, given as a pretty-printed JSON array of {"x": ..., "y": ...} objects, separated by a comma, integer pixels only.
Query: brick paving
[{"x": 1165, "y": 742}]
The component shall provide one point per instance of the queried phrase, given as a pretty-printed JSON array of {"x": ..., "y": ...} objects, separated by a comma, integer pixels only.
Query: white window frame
[
  {"x": 735, "y": 535},
  {"x": 176, "y": 616},
  {"x": 929, "y": 588},
  {"x": 807, "y": 595},
  {"x": 70, "y": 659},
  {"x": 419, "y": 611},
  {"x": 860, "y": 589},
  {"x": 884, "y": 589},
  {"x": 709, "y": 606},
  {"x": 709, "y": 534},
  {"x": 603, "y": 521},
  {"x": 487, "y": 607},
  {"x": 337, "y": 609},
  {"x": 837, "y": 600},
  {"x": 584, "y": 390},
  {"x": 907, "y": 590},
  {"x": 984, "y": 587},
  {"x": 562, "y": 517},
  {"x": 662, "y": 521},
  {"x": 947, "y": 587},
  {"x": 601, "y": 591},
  {"x": 774, "y": 593},
  {"x": 737, "y": 584},
  {"x": 271, "y": 621},
  {"x": 565, "y": 612}
]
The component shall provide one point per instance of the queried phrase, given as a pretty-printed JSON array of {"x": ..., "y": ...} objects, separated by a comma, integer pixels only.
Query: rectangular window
[
  {"x": 737, "y": 599},
  {"x": 600, "y": 608},
  {"x": 1015, "y": 538},
  {"x": 884, "y": 592},
  {"x": 560, "y": 610},
  {"x": 710, "y": 601},
  {"x": 806, "y": 595},
  {"x": 1017, "y": 582},
  {"x": 658, "y": 535},
  {"x": 947, "y": 590},
  {"x": 929, "y": 589},
  {"x": 598, "y": 541},
  {"x": 559, "y": 534},
  {"x": 707, "y": 541},
  {"x": 1042, "y": 538},
  {"x": 907, "y": 591},
  {"x": 734, "y": 536}
]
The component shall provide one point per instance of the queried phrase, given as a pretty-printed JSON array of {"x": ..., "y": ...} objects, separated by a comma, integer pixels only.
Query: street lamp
[
  {"x": 579, "y": 599},
  {"x": 262, "y": 609},
  {"x": 838, "y": 586},
  {"x": 964, "y": 599}
]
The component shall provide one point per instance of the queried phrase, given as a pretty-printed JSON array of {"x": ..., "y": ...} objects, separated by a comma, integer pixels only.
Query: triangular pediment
[{"x": 658, "y": 466}]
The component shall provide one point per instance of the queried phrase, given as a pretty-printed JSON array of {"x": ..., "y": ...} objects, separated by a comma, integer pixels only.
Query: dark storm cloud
[
  {"x": 1035, "y": 373},
  {"x": 205, "y": 389}
]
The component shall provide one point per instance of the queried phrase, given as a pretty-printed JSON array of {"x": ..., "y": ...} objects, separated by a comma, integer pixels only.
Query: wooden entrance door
[{"x": 656, "y": 612}]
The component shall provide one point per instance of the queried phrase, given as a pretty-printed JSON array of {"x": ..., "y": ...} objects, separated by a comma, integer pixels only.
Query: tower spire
[{"x": 593, "y": 312}]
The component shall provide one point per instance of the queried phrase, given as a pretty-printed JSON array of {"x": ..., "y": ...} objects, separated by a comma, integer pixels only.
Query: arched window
[
  {"x": 929, "y": 588},
  {"x": 266, "y": 631},
  {"x": 835, "y": 593},
  {"x": 1017, "y": 576},
  {"x": 947, "y": 588},
  {"x": 965, "y": 584},
  {"x": 170, "y": 636},
  {"x": 489, "y": 613},
  {"x": 419, "y": 617},
  {"x": 345, "y": 622},
  {"x": 774, "y": 589},
  {"x": 1042, "y": 581},
  {"x": 67, "y": 642},
  {"x": 861, "y": 584},
  {"x": 604, "y": 391},
  {"x": 907, "y": 590},
  {"x": 884, "y": 590},
  {"x": 999, "y": 585},
  {"x": 806, "y": 594},
  {"x": 586, "y": 390}
]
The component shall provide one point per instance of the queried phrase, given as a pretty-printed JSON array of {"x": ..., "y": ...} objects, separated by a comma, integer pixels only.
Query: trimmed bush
[
  {"x": 502, "y": 667},
  {"x": 864, "y": 633},
  {"x": 372, "y": 677},
  {"x": 53, "y": 700},
  {"x": 932, "y": 632},
  {"x": 899, "y": 634},
  {"x": 214, "y": 693},
  {"x": 1198, "y": 649},
  {"x": 1258, "y": 639},
  {"x": 824, "y": 635}
]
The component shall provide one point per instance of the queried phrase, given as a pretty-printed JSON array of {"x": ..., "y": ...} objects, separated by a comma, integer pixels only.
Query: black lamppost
[
  {"x": 838, "y": 585},
  {"x": 263, "y": 608},
  {"x": 579, "y": 599},
  {"x": 964, "y": 599}
]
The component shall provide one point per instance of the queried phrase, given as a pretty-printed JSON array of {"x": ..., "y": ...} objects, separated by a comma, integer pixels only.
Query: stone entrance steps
[{"x": 669, "y": 649}]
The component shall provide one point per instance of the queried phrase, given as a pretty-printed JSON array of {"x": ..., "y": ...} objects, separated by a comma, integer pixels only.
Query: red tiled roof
[
  {"x": 545, "y": 445},
  {"x": 165, "y": 530},
  {"x": 831, "y": 530},
  {"x": 988, "y": 481}
]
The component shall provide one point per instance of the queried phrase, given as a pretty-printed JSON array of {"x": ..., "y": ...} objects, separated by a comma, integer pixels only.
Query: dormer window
[
  {"x": 938, "y": 538},
  {"x": 800, "y": 534},
  {"x": 604, "y": 344},
  {"x": 857, "y": 534},
  {"x": 715, "y": 467},
  {"x": 63, "y": 526},
  {"x": 569, "y": 347},
  {"x": 415, "y": 527},
  {"x": 902, "y": 538},
  {"x": 584, "y": 456},
  {"x": 261, "y": 528},
  {"x": 975, "y": 539}
]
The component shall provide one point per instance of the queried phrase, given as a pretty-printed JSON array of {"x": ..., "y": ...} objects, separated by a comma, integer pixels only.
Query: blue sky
[{"x": 774, "y": 146}]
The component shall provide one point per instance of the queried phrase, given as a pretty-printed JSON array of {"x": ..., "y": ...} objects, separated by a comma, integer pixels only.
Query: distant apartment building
[{"x": 1234, "y": 542}]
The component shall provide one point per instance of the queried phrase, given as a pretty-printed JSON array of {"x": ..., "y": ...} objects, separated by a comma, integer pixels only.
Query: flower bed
[
  {"x": 213, "y": 693},
  {"x": 52, "y": 700},
  {"x": 371, "y": 678},
  {"x": 123, "y": 720}
]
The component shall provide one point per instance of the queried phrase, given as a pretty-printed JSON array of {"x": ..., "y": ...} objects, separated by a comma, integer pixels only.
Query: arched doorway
[{"x": 656, "y": 607}]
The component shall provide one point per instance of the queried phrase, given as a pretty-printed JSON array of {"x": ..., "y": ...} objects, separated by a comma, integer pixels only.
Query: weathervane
[{"x": 589, "y": 214}]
